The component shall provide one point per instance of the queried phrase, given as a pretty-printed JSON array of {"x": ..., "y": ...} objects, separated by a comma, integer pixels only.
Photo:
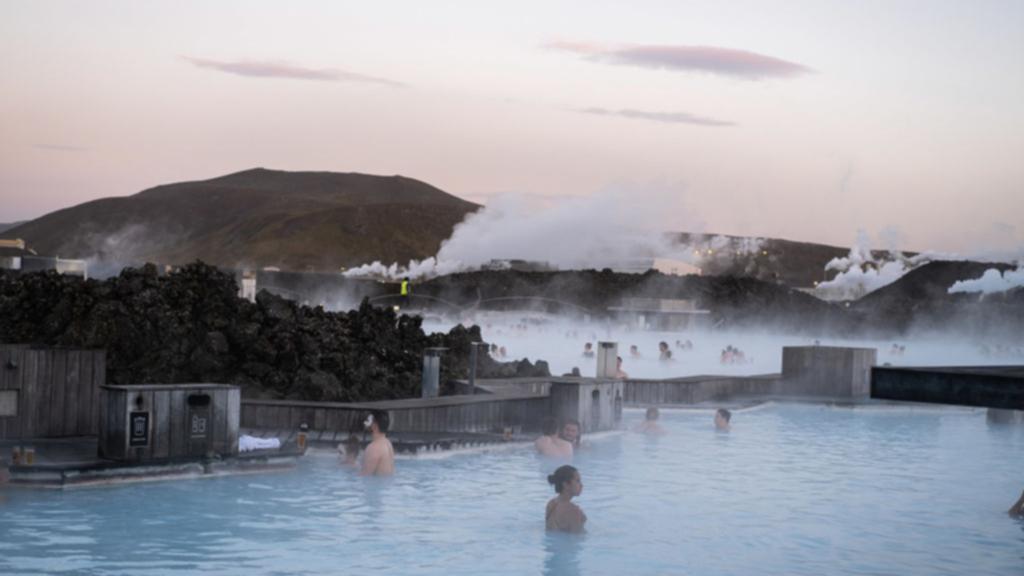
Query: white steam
[
  {"x": 620, "y": 228},
  {"x": 991, "y": 281},
  {"x": 861, "y": 272}
]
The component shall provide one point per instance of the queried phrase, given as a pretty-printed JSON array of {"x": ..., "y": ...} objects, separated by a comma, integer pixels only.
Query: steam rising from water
[
  {"x": 861, "y": 272},
  {"x": 614, "y": 228},
  {"x": 991, "y": 281}
]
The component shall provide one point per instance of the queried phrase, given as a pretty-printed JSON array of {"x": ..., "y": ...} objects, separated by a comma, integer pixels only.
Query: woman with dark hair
[{"x": 562, "y": 515}]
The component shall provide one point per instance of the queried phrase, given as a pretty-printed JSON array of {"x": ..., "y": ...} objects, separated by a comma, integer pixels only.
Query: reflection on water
[{"x": 562, "y": 554}]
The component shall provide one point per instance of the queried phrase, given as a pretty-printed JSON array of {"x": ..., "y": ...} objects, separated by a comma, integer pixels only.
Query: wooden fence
[
  {"x": 50, "y": 392},
  {"x": 476, "y": 413}
]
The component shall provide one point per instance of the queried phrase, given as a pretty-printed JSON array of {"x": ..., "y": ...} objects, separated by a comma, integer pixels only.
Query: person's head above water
[
  {"x": 566, "y": 477},
  {"x": 571, "y": 431},
  {"x": 652, "y": 414},
  {"x": 722, "y": 417},
  {"x": 378, "y": 419}
]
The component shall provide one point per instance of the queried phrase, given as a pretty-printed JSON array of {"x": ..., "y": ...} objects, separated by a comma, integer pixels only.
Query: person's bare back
[
  {"x": 564, "y": 516},
  {"x": 379, "y": 458},
  {"x": 553, "y": 446}
]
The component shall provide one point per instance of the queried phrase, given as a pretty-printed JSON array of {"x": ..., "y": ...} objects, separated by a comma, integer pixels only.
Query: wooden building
[
  {"x": 50, "y": 392},
  {"x": 154, "y": 422},
  {"x": 596, "y": 403}
]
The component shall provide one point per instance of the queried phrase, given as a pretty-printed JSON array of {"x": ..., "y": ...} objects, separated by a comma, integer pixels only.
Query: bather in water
[{"x": 561, "y": 514}]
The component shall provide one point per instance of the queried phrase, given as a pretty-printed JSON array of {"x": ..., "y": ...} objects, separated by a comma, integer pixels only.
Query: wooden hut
[
  {"x": 155, "y": 422},
  {"x": 595, "y": 403},
  {"x": 49, "y": 392}
]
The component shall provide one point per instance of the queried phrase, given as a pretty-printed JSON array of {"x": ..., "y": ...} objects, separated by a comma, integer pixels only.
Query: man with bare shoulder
[
  {"x": 550, "y": 444},
  {"x": 379, "y": 458},
  {"x": 650, "y": 424}
]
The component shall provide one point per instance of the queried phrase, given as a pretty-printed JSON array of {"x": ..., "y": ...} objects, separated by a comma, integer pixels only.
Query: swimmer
[
  {"x": 619, "y": 372},
  {"x": 1017, "y": 510},
  {"x": 571, "y": 433},
  {"x": 349, "y": 451},
  {"x": 588, "y": 350},
  {"x": 561, "y": 514},
  {"x": 650, "y": 424},
  {"x": 634, "y": 352},
  {"x": 722, "y": 418},
  {"x": 663, "y": 352},
  {"x": 550, "y": 444},
  {"x": 379, "y": 459}
]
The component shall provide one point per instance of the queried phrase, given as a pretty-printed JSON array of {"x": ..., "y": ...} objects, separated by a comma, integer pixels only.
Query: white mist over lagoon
[{"x": 560, "y": 340}]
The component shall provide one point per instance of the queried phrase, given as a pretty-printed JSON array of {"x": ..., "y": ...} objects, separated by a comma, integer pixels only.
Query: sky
[{"x": 803, "y": 120}]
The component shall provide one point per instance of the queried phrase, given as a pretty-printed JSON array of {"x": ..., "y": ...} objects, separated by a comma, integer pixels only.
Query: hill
[
  {"x": 291, "y": 220},
  {"x": 789, "y": 262},
  {"x": 920, "y": 300},
  {"x": 7, "y": 226}
]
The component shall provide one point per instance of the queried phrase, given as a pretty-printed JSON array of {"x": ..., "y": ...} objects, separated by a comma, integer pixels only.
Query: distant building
[
  {"x": 248, "y": 288},
  {"x": 14, "y": 255},
  {"x": 661, "y": 314},
  {"x": 11, "y": 253}
]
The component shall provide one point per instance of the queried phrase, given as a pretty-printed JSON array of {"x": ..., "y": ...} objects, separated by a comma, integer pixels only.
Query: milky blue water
[{"x": 792, "y": 489}]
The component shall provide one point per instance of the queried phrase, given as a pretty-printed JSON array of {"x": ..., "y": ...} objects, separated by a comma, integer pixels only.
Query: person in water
[
  {"x": 561, "y": 514},
  {"x": 588, "y": 350},
  {"x": 1017, "y": 510},
  {"x": 650, "y": 424},
  {"x": 571, "y": 433},
  {"x": 379, "y": 459},
  {"x": 349, "y": 451},
  {"x": 550, "y": 444},
  {"x": 619, "y": 372},
  {"x": 664, "y": 354},
  {"x": 722, "y": 418}
]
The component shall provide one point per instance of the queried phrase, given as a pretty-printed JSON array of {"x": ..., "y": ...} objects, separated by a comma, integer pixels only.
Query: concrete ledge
[{"x": 999, "y": 387}]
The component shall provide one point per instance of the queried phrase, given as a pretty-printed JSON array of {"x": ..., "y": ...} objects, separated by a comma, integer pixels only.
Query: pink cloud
[
  {"x": 711, "y": 59},
  {"x": 667, "y": 117},
  {"x": 276, "y": 69}
]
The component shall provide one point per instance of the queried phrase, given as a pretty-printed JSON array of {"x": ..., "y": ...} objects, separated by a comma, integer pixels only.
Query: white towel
[{"x": 247, "y": 443}]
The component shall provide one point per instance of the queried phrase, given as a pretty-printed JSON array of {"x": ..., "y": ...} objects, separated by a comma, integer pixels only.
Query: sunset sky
[{"x": 803, "y": 120}]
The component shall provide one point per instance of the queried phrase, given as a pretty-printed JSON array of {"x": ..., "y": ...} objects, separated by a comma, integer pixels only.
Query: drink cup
[
  {"x": 16, "y": 456},
  {"x": 29, "y": 456}
]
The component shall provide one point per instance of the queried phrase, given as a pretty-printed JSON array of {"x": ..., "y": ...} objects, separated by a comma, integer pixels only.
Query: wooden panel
[
  {"x": 219, "y": 414},
  {"x": 44, "y": 422},
  {"x": 234, "y": 398},
  {"x": 118, "y": 440},
  {"x": 71, "y": 392},
  {"x": 161, "y": 438},
  {"x": 85, "y": 394},
  {"x": 105, "y": 424},
  {"x": 29, "y": 393},
  {"x": 177, "y": 425},
  {"x": 99, "y": 378},
  {"x": 58, "y": 380}
]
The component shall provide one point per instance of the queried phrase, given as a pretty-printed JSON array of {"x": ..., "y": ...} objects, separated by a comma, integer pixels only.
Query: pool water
[{"x": 792, "y": 489}]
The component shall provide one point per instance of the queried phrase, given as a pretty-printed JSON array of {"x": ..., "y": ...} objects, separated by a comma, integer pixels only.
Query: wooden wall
[
  {"x": 696, "y": 389},
  {"x": 477, "y": 413},
  {"x": 57, "y": 391}
]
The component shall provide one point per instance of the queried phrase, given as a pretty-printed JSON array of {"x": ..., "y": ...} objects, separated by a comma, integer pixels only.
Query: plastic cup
[{"x": 29, "y": 456}]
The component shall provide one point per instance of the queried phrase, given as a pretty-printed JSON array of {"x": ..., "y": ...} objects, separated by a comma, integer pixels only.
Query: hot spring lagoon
[{"x": 792, "y": 489}]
